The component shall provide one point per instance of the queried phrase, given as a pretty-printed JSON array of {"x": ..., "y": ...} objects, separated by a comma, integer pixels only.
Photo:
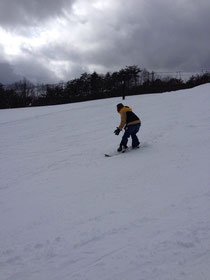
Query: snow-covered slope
[{"x": 69, "y": 213}]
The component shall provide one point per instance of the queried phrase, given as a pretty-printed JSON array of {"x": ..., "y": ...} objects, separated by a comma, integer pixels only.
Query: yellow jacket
[{"x": 127, "y": 117}]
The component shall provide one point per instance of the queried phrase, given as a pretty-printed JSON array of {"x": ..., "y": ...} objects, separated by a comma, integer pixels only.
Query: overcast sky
[{"x": 50, "y": 40}]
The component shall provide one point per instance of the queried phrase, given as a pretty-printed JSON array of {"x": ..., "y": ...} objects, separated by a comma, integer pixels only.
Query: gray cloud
[
  {"x": 7, "y": 74},
  {"x": 156, "y": 35},
  {"x": 29, "y": 67},
  {"x": 14, "y": 13},
  {"x": 152, "y": 34},
  {"x": 35, "y": 71}
]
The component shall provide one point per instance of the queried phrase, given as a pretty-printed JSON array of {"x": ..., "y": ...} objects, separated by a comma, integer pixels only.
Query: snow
[{"x": 67, "y": 212}]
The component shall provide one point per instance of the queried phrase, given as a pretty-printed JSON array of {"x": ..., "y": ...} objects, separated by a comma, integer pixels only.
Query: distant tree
[
  {"x": 130, "y": 75},
  {"x": 133, "y": 73},
  {"x": 24, "y": 90},
  {"x": 108, "y": 84},
  {"x": 54, "y": 94},
  {"x": 84, "y": 84},
  {"x": 145, "y": 76},
  {"x": 96, "y": 83},
  {"x": 3, "y": 99},
  {"x": 129, "y": 80},
  {"x": 198, "y": 80}
]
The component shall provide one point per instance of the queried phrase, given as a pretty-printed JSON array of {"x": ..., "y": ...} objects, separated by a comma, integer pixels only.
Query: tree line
[{"x": 130, "y": 80}]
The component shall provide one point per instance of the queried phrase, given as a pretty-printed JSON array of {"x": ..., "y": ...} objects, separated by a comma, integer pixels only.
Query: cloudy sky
[{"x": 50, "y": 40}]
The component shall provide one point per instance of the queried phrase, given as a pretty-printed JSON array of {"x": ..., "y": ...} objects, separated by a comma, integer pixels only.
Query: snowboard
[{"x": 116, "y": 153}]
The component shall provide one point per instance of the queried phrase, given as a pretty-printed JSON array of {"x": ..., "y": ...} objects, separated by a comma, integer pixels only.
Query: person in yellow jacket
[{"x": 131, "y": 123}]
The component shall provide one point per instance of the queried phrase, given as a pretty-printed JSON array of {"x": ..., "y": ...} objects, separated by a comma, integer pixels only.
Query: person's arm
[{"x": 123, "y": 120}]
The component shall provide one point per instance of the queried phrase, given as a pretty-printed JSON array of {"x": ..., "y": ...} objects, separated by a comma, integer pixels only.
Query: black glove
[{"x": 117, "y": 131}]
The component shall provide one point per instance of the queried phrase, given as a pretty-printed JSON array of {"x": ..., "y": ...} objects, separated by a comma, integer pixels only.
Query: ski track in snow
[{"x": 67, "y": 212}]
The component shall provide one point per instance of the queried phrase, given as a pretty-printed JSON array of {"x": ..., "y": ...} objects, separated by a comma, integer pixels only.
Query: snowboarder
[{"x": 131, "y": 123}]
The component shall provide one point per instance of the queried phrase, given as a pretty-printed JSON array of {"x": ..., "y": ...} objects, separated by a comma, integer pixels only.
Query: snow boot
[
  {"x": 136, "y": 146},
  {"x": 122, "y": 147}
]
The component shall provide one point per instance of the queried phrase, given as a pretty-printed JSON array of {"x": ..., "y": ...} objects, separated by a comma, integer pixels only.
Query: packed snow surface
[{"x": 69, "y": 213}]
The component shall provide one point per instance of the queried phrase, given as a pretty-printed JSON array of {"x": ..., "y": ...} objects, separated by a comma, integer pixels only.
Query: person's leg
[
  {"x": 135, "y": 140},
  {"x": 131, "y": 130},
  {"x": 126, "y": 135},
  {"x": 124, "y": 141}
]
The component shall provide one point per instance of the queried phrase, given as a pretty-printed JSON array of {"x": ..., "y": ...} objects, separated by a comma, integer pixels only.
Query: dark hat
[{"x": 119, "y": 106}]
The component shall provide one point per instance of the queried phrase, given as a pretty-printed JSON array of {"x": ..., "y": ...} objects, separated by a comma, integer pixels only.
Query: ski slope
[{"x": 69, "y": 213}]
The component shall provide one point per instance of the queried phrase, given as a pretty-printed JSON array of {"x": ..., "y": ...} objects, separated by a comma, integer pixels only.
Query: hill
[{"x": 69, "y": 213}]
